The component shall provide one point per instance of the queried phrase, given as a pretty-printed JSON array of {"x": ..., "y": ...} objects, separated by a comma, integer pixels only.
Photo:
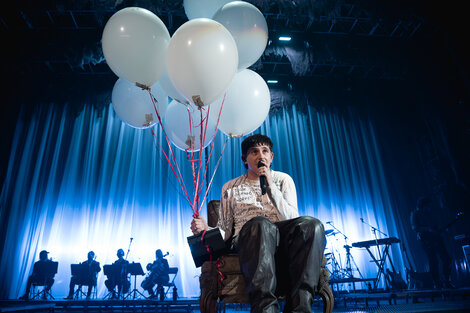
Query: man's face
[{"x": 258, "y": 153}]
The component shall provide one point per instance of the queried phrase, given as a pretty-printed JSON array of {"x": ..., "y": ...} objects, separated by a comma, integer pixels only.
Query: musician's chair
[
  {"x": 43, "y": 276},
  {"x": 81, "y": 277},
  {"x": 232, "y": 288},
  {"x": 39, "y": 292},
  {"x": 162, "y": 292},
  {"x": 80, "y": 294}
]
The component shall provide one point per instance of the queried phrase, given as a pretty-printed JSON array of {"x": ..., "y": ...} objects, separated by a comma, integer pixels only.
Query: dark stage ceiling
[{"x": 341, "y": 39}]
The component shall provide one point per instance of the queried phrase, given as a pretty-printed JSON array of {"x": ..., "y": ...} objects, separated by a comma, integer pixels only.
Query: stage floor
[{"x": 417, "y": 301}]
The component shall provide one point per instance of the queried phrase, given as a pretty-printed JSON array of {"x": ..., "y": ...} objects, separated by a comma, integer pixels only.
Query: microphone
[
  {"x": 262, "y": 180},
  {"x": 329, "y": 222}
]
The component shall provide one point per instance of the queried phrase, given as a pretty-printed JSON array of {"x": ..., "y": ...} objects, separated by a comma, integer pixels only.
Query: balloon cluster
[{"x": 202, "y": 68}]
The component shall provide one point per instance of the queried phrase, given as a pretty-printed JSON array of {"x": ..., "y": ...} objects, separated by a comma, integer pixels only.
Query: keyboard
[{"x": 373, "y": 242}]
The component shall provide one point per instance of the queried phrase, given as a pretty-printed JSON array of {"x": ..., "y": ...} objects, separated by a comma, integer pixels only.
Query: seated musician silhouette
[
  {"x": 86, "y": 276},
  {"x": 158, "y": 275},
  {"x": 43, "y": 274},
  {"x": 429, "y": 235},
  {"x": 118, "y": 276}
]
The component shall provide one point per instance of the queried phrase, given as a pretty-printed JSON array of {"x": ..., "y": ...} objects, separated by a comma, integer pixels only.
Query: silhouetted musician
[
  {"x": 43, "y": 274},
  {"x": 158, "y": 274},
  {"x": 429, "y": 229},
  {"x": 84, "y": 274},
  {"x": 117, "y": 276}
]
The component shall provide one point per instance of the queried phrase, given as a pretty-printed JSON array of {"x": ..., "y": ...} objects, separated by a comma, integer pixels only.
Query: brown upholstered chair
[{"x": 232, "y": 288}]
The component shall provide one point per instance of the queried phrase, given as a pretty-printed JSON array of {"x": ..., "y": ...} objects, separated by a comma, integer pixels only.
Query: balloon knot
[
  {"x": 144, "y": 87},
  {"x": 197, "y": 101},
  {"x": 148, "y": 119}
]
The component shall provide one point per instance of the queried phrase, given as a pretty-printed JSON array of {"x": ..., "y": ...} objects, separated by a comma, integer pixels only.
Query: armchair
[{"x": 232, "y": 288}]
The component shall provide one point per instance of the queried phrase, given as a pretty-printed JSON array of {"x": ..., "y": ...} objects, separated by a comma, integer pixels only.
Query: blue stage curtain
[{"x": 81, "y": 181}]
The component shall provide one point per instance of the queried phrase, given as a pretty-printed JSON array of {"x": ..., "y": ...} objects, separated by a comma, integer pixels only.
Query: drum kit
[{"x": 338, "y": 266}]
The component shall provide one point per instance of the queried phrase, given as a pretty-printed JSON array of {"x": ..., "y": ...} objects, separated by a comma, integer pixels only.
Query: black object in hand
[{"x": 262, "y": 180}]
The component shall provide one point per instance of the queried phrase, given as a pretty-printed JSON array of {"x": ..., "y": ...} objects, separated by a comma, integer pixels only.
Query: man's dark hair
[
  {"x": 253, "y": 141},
  {"x": 256, "y": 140},
  {"x": 159, "y": 253}
]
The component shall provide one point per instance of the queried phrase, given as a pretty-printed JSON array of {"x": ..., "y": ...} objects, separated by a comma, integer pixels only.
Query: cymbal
[{"x": 329, "y": 231}]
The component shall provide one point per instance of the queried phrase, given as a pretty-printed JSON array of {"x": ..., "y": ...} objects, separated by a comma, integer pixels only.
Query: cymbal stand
[{"x": 335, "y": 264}]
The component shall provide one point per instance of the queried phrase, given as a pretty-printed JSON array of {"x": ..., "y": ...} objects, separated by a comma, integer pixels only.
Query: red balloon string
[
  {"x": 196, "y": 163},
  {"x": 191, "y": 158},
  {"x": 218, "y": 264},
  {"x": 180, "y": 177},
  {"x": 210, "y": 154},
  {"x": 171, "y": 166}
]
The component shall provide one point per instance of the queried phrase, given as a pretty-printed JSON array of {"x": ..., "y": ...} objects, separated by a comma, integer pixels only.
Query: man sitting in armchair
[{"x": 280, "y": 253}]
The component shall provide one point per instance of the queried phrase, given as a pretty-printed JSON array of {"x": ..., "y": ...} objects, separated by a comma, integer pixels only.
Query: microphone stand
[
  {"x": 123, "y": 278},
  {"x": 375, "y": 230},
  {"x": 339, "y": 231},
  {"x": 129, "y": 248}
]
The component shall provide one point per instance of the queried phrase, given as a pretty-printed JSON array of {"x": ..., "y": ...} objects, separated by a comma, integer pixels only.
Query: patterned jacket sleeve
[{"x": 285, "y": 197}]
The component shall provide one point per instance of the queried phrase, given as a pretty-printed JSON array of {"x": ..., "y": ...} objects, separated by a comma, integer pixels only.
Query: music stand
[
  {"x": 111, "y": 271},
  {"x": 135, "y": 269},
  {"x": 82, "y": 274},
  {"x": 43, "y": 270}
]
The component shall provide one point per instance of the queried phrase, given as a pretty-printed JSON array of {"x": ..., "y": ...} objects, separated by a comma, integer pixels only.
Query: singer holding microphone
[{"x": 280, "y": 253}]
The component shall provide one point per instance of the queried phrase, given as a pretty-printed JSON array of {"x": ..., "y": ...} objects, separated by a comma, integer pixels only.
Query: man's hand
[
  {"x": 198, "y": 224},
  {"x": 264, "y": 171}
]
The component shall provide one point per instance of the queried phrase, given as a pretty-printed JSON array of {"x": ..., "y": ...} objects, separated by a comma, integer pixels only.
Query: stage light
[
  {"x": 272, "y": 81},
  {"x": 285, "y": 38}
]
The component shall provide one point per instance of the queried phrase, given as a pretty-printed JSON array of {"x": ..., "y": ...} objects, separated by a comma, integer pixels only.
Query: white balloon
[
  {"x": 170, "y": 90},
  {"x": 202, "y": 8},
  {"x": 134, "y": 45},
  {"x": 134, "y": 105},
  {"x": 246, "y": 105},
  {"x": 248, "y": 27},
  {"x": 177, "y": 127},
  {"x": 202, "y": 59}
]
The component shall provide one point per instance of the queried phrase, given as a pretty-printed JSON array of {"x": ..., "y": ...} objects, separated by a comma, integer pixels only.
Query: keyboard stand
[{"x": 380, "y": 262}]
